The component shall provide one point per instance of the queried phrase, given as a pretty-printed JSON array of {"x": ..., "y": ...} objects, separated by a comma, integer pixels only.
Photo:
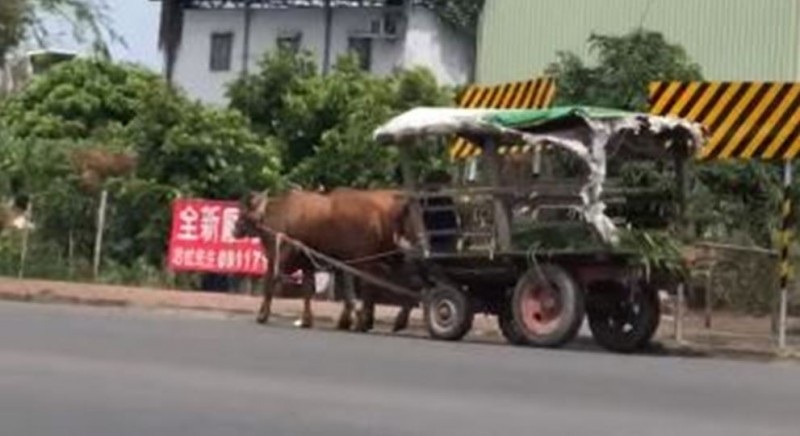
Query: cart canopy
[
  {"x": 587, "y": 132},
  {"x": 528, "y": 125}
]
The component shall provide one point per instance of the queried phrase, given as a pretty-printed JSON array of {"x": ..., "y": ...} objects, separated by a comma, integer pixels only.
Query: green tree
[
  {"x": 625, "y": 66},
  {"x": 79, "y": 99},
  {"x": 462, "y": 14},
  {"x": 183, "y": 148},
  {"x": 324, "y": 124},
  {"x": 25, "y": 19},
  {"x": 727, "y": 200},
  {"x": 619, "y": 77},
  {"x": 262, "y": 96}
]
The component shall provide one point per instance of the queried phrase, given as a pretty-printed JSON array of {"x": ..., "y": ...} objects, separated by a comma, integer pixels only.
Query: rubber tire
[
  {"x": 604, "y": 300},
  {"x": 505, "y": 322},
  {"x": 572, "y": 314},
  {"x": 654, "y": 321},
  {"x": 463, "y": 313}
]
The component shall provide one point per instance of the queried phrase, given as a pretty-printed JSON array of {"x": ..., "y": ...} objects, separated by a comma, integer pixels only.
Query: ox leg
[
  {"x": 366, "y": 316},
  {"x": 409, "y": 271},
  {"x": 272, "y": 280},
  {"x": 266, "y": 304},
  {"x": 346, "y": 318},
  {"x": 307, "y": 320},
  {"x": 401, "y": 321}
]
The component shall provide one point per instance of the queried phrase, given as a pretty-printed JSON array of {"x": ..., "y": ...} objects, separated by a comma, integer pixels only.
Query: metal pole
[
  {"x": 326, "y": 55},
  {"x": 785, "y": 241},
  {"x": 98, "y": 240},
  {"x": 679, "y": 313},
  {"x": 708, "y": 296},
  {"x": 246, "y": 39}
]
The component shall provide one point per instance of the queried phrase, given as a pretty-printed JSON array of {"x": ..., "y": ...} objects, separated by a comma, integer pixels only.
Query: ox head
[
  {"x": 407, "y": 231},
  {"x": 252, "y": 209}
]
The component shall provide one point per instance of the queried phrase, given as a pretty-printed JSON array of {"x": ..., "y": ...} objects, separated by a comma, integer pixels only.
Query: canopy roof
[
  {"x": 288, "y": 4},
  {"x": 512, "y": 124},
  {"x": 586, "y": 132},
  {"x": 531, "y": 117}
]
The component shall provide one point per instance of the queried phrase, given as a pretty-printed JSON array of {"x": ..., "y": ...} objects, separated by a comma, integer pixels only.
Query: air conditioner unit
[{"x": 391, "y": 24}]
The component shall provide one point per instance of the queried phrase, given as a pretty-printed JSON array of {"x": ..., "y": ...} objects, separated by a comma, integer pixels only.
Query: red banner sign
[{"x": 202, "y": 239}]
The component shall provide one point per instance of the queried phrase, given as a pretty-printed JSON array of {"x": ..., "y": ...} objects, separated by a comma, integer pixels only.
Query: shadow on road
[{"x": 581, "y": 344}]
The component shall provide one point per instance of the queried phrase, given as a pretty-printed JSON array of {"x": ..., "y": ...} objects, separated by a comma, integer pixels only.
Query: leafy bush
[
  {"x": 324, "y": 124},
  {"x": 183, "y": 149}
]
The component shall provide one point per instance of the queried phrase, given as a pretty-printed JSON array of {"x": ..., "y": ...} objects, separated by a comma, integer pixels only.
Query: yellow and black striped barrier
[
  {"x": 746, "y": 120},
  {"x": 527, "y": 94}
]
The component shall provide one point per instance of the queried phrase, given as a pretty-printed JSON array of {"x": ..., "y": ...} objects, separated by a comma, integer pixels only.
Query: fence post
[
  {"x": 708, "y": 296},
  {"x": 71, "y": 254},
  {"x": 25, "y": 236},
  {"x": 679, "y": 313},
  {"x": 785, "y": 241},
  {"x": 98, "y": 240}
]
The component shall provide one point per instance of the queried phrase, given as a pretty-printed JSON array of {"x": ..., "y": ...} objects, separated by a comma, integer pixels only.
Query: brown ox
[
  {"x": 396, "y": 227},
  {"x": 349, "y": 225}
]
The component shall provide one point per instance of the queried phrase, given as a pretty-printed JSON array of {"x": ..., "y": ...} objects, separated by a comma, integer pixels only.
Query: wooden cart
[{"x": 477, "y": 245}]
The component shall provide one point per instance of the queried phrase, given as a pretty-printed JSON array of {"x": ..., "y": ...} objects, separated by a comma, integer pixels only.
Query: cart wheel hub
[
  {"x": 540, "y": 310},
  {"x": 444, "y": 312}
]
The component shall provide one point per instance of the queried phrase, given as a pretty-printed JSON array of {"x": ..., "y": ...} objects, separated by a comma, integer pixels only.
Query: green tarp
[{"x": 521, "y": 118}]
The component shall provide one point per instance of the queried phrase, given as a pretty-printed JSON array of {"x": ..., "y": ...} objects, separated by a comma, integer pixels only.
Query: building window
[
  {"x": 361, "y": 47},
  {"x": 221, "y": 51},
  {"x": 290, "y": 42}
]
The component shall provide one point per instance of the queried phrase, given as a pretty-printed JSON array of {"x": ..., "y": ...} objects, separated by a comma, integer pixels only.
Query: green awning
[{"x": 522, "y": 118}]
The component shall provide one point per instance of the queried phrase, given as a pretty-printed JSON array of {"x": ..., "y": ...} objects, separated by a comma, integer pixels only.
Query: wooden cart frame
[{"x": 471, "y": 258}]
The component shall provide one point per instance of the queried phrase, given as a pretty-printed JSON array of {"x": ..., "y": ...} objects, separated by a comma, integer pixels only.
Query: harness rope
[
  {"x": 345, "y": 266},
  {"x": 373, "y": 257}
]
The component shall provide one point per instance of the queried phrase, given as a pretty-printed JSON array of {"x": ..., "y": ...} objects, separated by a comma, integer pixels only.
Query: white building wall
[
  {"x": 267, "y": 25},
  {"x": 192, "y": 71},
  {"x": 427, "y": 42},
  {"x": 434, "y": 44}
]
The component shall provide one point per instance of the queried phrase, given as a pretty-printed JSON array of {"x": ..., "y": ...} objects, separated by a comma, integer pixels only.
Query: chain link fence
[
  {"x": 731, "y": 299},
  {"x": 70, "y": 256}
]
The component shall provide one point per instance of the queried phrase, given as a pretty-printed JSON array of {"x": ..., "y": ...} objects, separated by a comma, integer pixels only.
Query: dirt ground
[{"x": 730, "y": 334}]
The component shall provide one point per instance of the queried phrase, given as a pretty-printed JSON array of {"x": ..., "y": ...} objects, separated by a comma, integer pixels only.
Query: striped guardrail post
[
  {"x": 528, "y": 94},
  {"x": 786, "y": 233},
  {"x": 747, "y": 120}
]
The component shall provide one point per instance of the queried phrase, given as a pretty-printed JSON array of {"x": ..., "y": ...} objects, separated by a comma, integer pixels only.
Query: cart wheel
[
  {"x": 505, "y": 321},
  {"x": 622, "y": 319},
  {"x": 546, "y": 314},
  {"x": 447, "y": 313}
]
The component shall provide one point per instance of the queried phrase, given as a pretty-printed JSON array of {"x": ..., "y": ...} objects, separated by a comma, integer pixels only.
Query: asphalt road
[{"x": 89, "y": 372}]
